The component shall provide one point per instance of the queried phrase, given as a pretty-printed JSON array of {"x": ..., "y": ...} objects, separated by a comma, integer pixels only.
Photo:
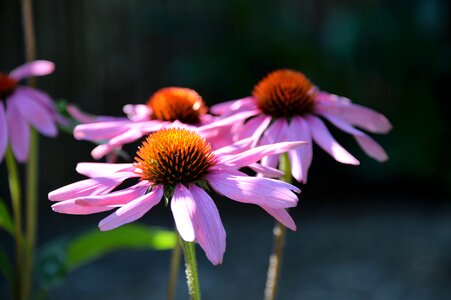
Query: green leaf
[
  {"x": 5, "y": 267},
  {"x": 94, "y": 244},
  {"x": 6, "y": 221}
]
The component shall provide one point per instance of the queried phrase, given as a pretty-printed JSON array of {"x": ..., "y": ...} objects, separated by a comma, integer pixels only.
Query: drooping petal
[
  {"x": 370, "y": 146},
  {"x": 87, "y": 187},
  {"x": 300, "y": 157},
  {"x": 255, "y": 154},
  {"x": 33, "y": 68},
  {"x": 121, "y": 197},
  {"x": 228, "y": 121},
  {"x": 324, "y": 139},
  {"x": 266, "y": 171},
  {"x": 36, "y": 114},
  {"x": 233, "y": 106},
  {"x": 133, "y": 210},
  {"x": 72, "y": 208},
  {"x": 38, "y": 96},
  {"x": 210, "y": 232},
  {"x": 18, "y": 132},
  {"x": 183, "y": 209},
  {"x": 254, "y": 128},
  {"x": 281, "y": 215},
  {"x": 261, "y": 191},
  {"x": 102, "y": 169},
  {"x": 3, "y": 131},
  {"x": 116, "y": 142},
  {"x": 354, "y": 114}
]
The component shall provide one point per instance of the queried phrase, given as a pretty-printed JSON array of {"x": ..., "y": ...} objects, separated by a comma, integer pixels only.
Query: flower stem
[
  {"x": 192, "y": 277},
  {"x": 15, "y": 191},
  {"x": 279, "y": 232},
  {"x": 32, "y": 164},
  {"x": 174, "y": 271}
]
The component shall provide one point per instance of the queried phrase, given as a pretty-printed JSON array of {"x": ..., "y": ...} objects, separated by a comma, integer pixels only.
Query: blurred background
[{"x": 377, "y": 231}]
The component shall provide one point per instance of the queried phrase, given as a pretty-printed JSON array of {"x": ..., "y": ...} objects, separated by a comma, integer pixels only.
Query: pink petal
[
  {"x": 87, "y": 187},
  {"x": 354, "y": 114},
  {"x": 72, "y": 208},
  {"x": 116, "y": 142},
  {"x": 252, "y": 155},
  {"x": 18, "y": 132},
  {"x": 121, "y": 197},
  {"x": 228, "y": 121},
  {"x": 183, "y": 208},
  {"x": 233, "y": 106},
  {"x": 261, "y": 191},
  {"x": 324, "y": 139},
  {"x": 301, "y": 157},
  {"x": 38, "y": 96},
  {"x": 34, "y": 68},
  {"x": 277, "y": 132},
  {"x": 36, "y": 114},
  {"x": 368, "y": 145},
  {"x": 100, "y": 130},
  {"x": 266, "y": 171},
  {"x": 281, "y": 215},
  {"x": 139, "y": 112},
  {"x": 254, "y": 128},
  {"x": 79, "y": 115},
  {"x": 133, "y": 210},
  {"x": 210, "y": 232},
  {"x": 102, "y": 169},
  {"x": 3, "y": 132}
]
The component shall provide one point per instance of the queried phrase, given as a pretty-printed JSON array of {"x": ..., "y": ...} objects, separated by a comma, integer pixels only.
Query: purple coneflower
[
  {"x": 179, "y": 165},
  {"x": 166, "y": 106},
  {"x": 21, "y": 106},
  {"x": 287, "y": 107}
]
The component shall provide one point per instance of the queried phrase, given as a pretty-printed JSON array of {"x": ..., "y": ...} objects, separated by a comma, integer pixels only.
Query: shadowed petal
[
  {"x": 3, "y": 132},
  {"x": 210, "y": 232},
  {"x": 261, "y": 191},
  {"x": 277, "y": 132},
  {"x": 72, "y": 208},
  {"x": 368, "y": 145},
  {"x": 34, "y": 68},
  {"x": 36, "y": 114},
  {"x": 133, "y": 210},
  {"x": 301, "y": 157},
  {"x": 324, "y": 139},
  {"x": 18, "y": 132},
  {"x": 183, "y": 209},
  {"x": 254, "y": 128}
]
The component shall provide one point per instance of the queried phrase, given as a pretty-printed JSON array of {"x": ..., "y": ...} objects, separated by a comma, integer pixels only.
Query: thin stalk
[
  {"x": 174, "y": 271},
  {"x": 279, "y": 232},
  {"x": 192, "y": 277},
  {"x": 32, "y": 164},
  {"x": 15, "y": 191}
]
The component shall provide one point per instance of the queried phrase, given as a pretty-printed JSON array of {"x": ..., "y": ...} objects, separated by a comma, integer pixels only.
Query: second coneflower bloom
[
  {"x": 288, "y": 107},
  {"x": 178, "y": 165},
  {"x": 164, "y": 108}
]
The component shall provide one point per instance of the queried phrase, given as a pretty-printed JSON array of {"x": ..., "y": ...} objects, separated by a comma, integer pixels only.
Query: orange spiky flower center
[
  {"x": 175, "y": 103},
  {"x": 7, "y": 85},
  {"x": 285, "y": 93},
  {"x": 174, "y": 155}
]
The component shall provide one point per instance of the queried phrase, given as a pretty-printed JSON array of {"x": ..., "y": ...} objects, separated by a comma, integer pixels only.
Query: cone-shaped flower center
[
  {"x": 7, "y": 85},
  {"x": 174, "y": 155},
  {"x": 174, "y": 103},
  {"x": 285, "y": 93}
]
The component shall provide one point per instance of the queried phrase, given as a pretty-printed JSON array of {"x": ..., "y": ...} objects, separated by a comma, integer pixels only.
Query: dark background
[{"x": 377, "y": 231}]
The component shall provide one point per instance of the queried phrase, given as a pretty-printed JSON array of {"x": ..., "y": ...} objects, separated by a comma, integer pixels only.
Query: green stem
[
  {"x": 32, "y": 215},
  {"x": 174, "y": 271},
  {"x": 279, "y": 232},
  {"x": 15, "y": 191},
  {"x": 192, "y": 277}
]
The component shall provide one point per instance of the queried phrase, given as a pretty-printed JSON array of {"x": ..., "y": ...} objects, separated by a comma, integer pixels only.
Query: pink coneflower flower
[
  {"x": 179, "y": 165},
  {"x": 22, "y": 106},
  {"x": 288, "y": 107},
  {"x": 166, "y": 106}
]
